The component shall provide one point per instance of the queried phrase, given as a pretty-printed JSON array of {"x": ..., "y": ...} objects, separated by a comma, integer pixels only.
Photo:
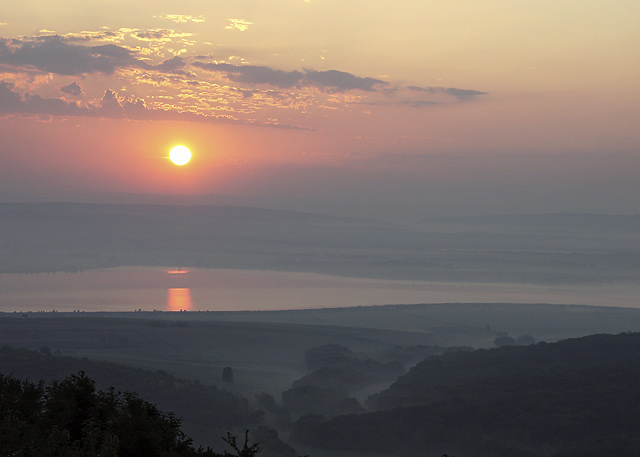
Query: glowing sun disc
[{"x": 180, "y": 155}]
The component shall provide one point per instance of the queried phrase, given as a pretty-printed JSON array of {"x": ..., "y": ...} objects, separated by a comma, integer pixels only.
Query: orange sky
[{"x": 431, "y": 106}]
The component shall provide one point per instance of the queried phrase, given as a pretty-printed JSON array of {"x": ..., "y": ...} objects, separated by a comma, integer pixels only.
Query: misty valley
[{"x": 320, "y": 335}]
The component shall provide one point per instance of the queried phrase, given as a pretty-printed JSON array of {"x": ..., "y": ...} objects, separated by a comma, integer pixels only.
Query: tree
[
  {"x": 70, "y": 418},
  {"x": 227, "y": 375},
  {"x": 246, "y": 451},
  {"x": 504, "y": 341},
  {"x": 525, "y": 340}
]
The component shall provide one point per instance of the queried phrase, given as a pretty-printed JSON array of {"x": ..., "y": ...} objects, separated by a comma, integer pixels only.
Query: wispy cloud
[
  {"x": 158, "y": 35},
  {"x": 112, "y": 36},
  {"x": 238, "y": 24},
  {"x": 460, "y": 94},
  {"x": 115, "y": 36},
  {"x": 182, "y": 18}
]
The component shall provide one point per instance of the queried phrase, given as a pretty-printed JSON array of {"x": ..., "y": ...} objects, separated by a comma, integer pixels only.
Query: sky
[{"x": 408, "y": 109}]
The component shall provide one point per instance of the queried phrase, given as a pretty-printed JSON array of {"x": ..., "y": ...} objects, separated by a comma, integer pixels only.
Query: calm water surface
[{"x": 167, "y": 289}]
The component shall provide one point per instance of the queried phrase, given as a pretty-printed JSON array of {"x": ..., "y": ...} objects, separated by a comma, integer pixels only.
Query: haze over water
[{"x": 153, "y": 288}]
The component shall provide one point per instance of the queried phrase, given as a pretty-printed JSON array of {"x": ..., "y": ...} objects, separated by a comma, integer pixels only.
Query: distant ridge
[{"x": 557, "y": 221}]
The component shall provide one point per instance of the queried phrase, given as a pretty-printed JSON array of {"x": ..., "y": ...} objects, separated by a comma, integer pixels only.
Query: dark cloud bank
[
  {"x": 52, "y": 54},
  {"x": 331, "y": 80}
]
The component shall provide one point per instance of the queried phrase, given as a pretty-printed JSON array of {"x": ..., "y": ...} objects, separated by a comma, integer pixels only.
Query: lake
[{"x": 174, "y": 289}]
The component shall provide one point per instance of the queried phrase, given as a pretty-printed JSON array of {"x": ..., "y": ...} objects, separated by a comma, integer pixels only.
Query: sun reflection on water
[{"x": 179, "y": 299}]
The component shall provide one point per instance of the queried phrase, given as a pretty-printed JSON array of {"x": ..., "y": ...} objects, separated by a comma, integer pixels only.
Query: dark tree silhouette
[
  {"x": 246, "y": 450},
  {"x": 227, "y": 375},
  {"x": 504, "y": 341},
  {"x": 69, "y": 418}
]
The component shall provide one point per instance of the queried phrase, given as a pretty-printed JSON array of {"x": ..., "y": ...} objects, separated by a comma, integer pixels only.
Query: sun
[{"x": 180, "y": 155}]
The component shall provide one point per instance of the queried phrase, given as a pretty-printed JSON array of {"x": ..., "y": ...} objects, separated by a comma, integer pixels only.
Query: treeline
[
  {"x": 70, "y": 418},
  {"x": 578, "y": 398}
]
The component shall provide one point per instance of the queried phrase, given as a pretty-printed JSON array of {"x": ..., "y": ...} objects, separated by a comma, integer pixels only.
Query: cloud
[
  {"x": 463, "y": 94},
  {"x": 253, "y": 74},
  {"x": 420, "y": 103},
  {"x": 12, "y": 102},
  {"x": 460, "y": 94},
  {"x": 111, "y": 106},
  {"x": 72, "y": 89},
  {"x": 330, "y": 80},
  {"x": 158, "y": 35},
  {"x": 178, "y": 89},
  {"x": 52, "y": 54},
  {"x": 174, "y": 65},
  {"x": 238, "y": 24},
  {"x": 113, "y": 36},
  {"x": 340, "y": 81},
  {"x": 182, "y": 18}
]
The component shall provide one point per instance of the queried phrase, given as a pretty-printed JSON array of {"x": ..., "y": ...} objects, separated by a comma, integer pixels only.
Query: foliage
[
  {"x": 575, "y": 398},
  {"x": 310, "y": 399},
  {"x": 352, "y": 375},
  {"x": 227, "y": 375},
  {"x": 504, "y": 341},
  {"x": 327, "y": 355},
  {"x": 192, "y": 400},
  {"x": 246, "y": 450},
  {"x": 70, "y": 418}
]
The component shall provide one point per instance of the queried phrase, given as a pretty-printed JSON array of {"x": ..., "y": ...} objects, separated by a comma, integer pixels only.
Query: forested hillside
[{"x": 578, "y": 397}]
